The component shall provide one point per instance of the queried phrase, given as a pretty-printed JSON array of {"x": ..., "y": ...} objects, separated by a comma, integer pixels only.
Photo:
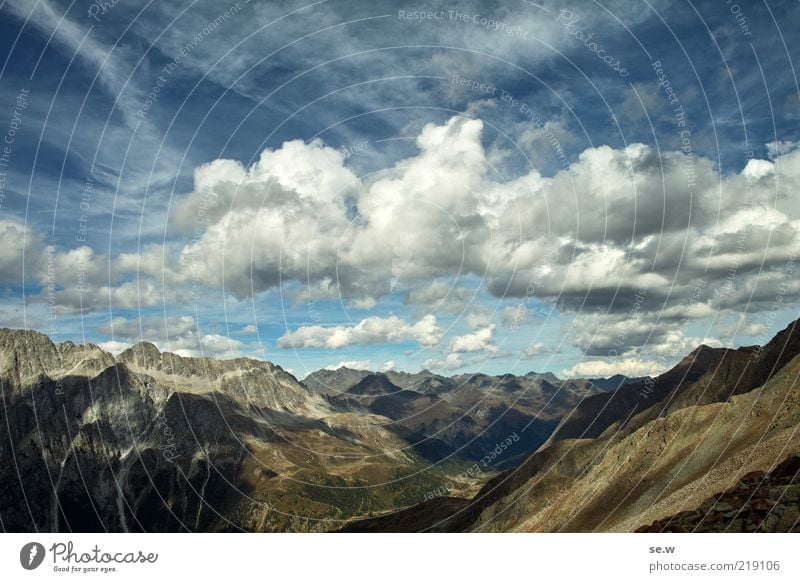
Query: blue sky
[{"x": 582, "y": 188}]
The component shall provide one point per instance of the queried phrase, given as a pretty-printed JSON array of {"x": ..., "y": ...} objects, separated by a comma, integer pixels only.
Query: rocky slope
[
  {"x": 620, "y": 482},
  {"x": 706, "y": 375},
  {"x": 760, "y": 502},
  {"x": 717, "y": 417}
]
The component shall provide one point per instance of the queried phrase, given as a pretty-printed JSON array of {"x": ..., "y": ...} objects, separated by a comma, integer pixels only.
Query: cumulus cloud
[
  {"x": 535, "y": 350},
  {"x": 440, "y": 296},
  {"x": 477, "y": 341},
  {"x": 13, "y": 238},
  {"x": 647, "y": 334},
  {"x": 75, "y": 280},
  {"x": 735, "y": 327},
  {"x": 612, "y": 335},
  {"x": 372, "y": 330},
  {"x": 144, "y": 328},
  {"x": 154, "y": 262},
  {"x": 514, "y": 316},
  {"x": 299, "y": 213},
  {"x": 177, "y": 334},
  {"x": 614, "y": 220},
  {"x": 781, "y": 147},
  {"x": 587, "y": 239},
  {"x": 115, "y": 347},
  {"x": 632, "y": 367},
  {"x": 756, "y": 169},
  {"x": 449, "y": 364}
]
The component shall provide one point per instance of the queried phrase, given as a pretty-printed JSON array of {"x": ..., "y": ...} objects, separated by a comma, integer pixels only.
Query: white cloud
[
  {"x": 441, "y": 296},
  {"x": 739, "y": 327},
  {"x": 289, "y": 216},
  {"x": 372, "y": 330},
  {"x": 14, "y": 237},
  {"x": 216, "y": 345},
  {"x": 449, "y": 364},
  {"x": 71, "y": 281},
  {"x": 535, "y": 350},
  {"x": 364, "y": 303},
  {"x": 756, "y": 169},
  {"x": 753, "y": 329},
  {"x": 631, "y": 367},
  {"x": 115, "y": 347},
  {"x": 585, "y": 239},
  {"x": 478, "y": 317},
  {"x": 618, "y": 220},
  {"x": 779, "y": 148},
  {"x": 176, "y": 334},
  {"x": 515, "y": 316},
  {"x": 474, "y": 342}
]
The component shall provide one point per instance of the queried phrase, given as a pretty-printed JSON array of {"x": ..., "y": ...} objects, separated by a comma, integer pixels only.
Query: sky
[{"x": 583, "y": 188}]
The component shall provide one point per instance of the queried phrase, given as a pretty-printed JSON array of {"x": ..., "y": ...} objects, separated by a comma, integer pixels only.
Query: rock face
[
  {"x": 246, "y": 380},
  {"x": 718, "y": 419},
  {"x": 760, "y": 502},
  {"x": 28, "y": 356},
  {"x": 334, "y": 382}
]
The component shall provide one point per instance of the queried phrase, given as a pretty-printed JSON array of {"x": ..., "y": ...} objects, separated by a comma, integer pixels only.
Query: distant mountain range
[
  {"x": 711, "y": 445},
  {"x": 467, "y": 414},
  {"x": 152, "y": 441}
]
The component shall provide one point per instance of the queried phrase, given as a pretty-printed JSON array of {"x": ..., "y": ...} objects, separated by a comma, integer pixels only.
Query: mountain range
[
  {"x": 710, "y": 445},
  {"x": 152, "y": 441}
]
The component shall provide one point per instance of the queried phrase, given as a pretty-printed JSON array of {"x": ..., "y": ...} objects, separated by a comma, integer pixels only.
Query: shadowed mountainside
[
  {"x": 468, "y": 413},
  {"x": 716, "y": 417}
]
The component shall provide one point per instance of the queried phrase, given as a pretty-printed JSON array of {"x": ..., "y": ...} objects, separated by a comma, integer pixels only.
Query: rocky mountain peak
[
  {"x": 143, "y": 354},
  {"x": 28, "y": 354},
  {"x": 28, "y": 341},
  {"x": 374, "y": 385}
]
